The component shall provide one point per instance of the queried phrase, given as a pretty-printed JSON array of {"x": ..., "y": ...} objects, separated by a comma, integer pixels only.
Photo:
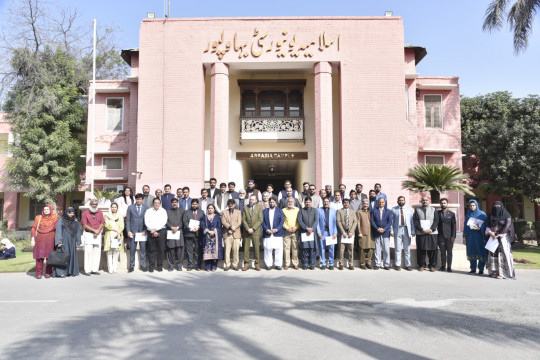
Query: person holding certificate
[
  {"x": 155, "y": 220},
  {"x": 212, "y": 241},
  {"x": 346, "y": 223},
  {"x": 308, "y": 219},
  {"x": 500, "y": 229},
  {"x": 473, "y": 237},
  {"x": 192, "y": 235},
  {"x": 426, "y": 220},
  {"x": 273, "y": 232},
  {"x": 175, "y": 236},
  {"x": 93, "y": 223},
  {"x": 365, "y": 239},
  {"x": 136, "y": 230},
  {"x": 114, "y": 237},
  {"x": 327, "y": 233}
]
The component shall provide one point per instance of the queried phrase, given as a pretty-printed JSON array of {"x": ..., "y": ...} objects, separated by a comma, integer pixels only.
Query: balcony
[{"x": 272, "y": 129}]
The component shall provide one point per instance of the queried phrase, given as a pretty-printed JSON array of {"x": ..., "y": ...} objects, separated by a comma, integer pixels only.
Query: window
[
  {"x": 434, "y": 159},
  {"x": 4, "y": 139},
  {"x": 115, "y": 114},
  {"x": 509, "y": 205},
  {"x": 112, "y": 163},
  {"x": 407, "y": 100},
  {"x": 433, "y": 111},
  {"x": 272, "y": 98},
  {"x": 34, "y": 209}
]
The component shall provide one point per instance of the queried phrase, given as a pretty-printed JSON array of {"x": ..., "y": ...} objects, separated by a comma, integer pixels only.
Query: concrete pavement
[{"x": 271, "y": 315}]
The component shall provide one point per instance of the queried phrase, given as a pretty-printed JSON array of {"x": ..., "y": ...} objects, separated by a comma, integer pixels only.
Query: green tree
[
  {"x": 45, "y": 110},
  {"x": 501, "y": 142},
  {"x": 436, "y": 179},
  {"x": 520, "y": 18}
]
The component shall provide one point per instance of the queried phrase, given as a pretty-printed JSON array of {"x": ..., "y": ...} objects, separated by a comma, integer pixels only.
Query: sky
[{"x": 451, "y": 31}]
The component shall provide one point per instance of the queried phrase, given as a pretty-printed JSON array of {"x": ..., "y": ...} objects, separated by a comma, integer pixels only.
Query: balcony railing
[{"x": 273, "y": 129}]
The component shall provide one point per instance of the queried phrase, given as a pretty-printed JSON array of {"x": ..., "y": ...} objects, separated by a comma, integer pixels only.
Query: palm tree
[
  {"x": 520, "y": 17},
  {"x": 436, "y": 179}
]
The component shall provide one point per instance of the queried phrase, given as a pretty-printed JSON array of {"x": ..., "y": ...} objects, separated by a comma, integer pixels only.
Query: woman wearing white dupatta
[{"x": 114, "y": 226}]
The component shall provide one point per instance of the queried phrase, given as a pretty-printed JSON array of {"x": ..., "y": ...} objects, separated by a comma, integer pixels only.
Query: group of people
[{"x": 295, "y": 229}]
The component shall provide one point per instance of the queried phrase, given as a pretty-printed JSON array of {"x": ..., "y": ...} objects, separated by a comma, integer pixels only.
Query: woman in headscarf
[
  {"x": 113, "y": 243},
  {"x": 501, "y": 228},
  {"x": 7, "y": 250},
  {"x": 473, "y": 237},
  {"x": 43, "y": 232},
  {"x": 212, "y": 241},
  {"x": 67, "y": 237}
]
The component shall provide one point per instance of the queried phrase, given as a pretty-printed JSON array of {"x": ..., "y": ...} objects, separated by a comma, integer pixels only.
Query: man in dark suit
[
  {"x": 272, "y": 225},
  {"x": 360, "y": 195},
  {"x": 381, "y": 222},
  {"x": 283, "y": 201},
  {"x": 148, "y": 199},
  {"x": 212, "y": 190},
  {"x": 135, "y": 224},
  {"x": 447, "y": 235},
  {"x": 252, "y": 218},
  {"x": 185, "y": 203},
  {"x": 192, "y": 236}
]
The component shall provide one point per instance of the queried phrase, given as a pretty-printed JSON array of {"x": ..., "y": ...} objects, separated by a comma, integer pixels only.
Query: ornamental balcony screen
[{"x": 272, "y": 129}]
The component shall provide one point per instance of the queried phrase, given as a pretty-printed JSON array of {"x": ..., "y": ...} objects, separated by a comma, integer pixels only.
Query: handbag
[{"x": 58, "y": 257}]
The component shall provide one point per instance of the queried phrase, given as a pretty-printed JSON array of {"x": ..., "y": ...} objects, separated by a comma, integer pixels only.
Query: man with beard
[
  {"x": 381, "y": 222},
  {"x": 135, "y": 224},
  {"x": 359, "y": 194},
  {"x": 148, "y": 199},
  {"x": 283, "y": 193},
  {"x": 272, "y": 226},
  {"x": 316, "y": 200},
  {"x": 290, "y": 239},
  {"x": 212, "y": 191},
  {"x": 447, "y": 235},
  {"x": 232, "y": 193},
  {"x": 251, "y": 190},
  {"x": 308, "y": 219},
  {"x": 343, "y": 191},
  {"x": 379, "y": 194},
  {"x": 231, "y": 221},
  {"x": 372, "y": 200},
  {"x": 175, "y": 246},
  {"x": 155, "y": 220},
  {"x": 366, "y": 243},
  {"x": 93, "y": 223},
  {"x": 242, "y": 200},
  {"x": 167, "y": 197},
  {"x": 402, "y": 230},
  {"x": 305, "y": 192},
  {"x": 426, "y": 219},
  {"x": 346, "y": 223},
  {"x": 204, "y": 201},
  {"x": 328, "y": 190},
  {"x": 284, "y": 201},
  {"x": 192, "y": 235},
  {"x": 220, "y": 200},
  {"x": 326, "y": 228}
]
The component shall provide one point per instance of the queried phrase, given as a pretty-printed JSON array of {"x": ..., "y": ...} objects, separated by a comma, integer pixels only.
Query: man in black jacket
[{"x": 447, "y": 235}]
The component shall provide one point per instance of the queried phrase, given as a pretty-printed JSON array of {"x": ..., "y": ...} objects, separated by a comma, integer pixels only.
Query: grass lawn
[
  {"x": 531, "y": 253},
  {"x": 22, "y": 263}
]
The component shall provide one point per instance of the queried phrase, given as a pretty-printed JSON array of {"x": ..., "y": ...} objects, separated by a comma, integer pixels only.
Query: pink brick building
[{"x": 327, "y": 100}]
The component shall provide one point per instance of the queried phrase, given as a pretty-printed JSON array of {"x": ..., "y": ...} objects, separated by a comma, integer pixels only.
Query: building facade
[{"x": 327, "y": 100}]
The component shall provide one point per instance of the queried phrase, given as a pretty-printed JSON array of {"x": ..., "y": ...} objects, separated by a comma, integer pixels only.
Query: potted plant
[{"x": 436, "y": 179}]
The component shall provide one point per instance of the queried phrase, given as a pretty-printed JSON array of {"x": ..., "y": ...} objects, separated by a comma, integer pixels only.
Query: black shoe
[
  {"x": 199, "y": 269},
  {"x": 387, "y": 268},
  {"x": 304, "y": 267},
  {"x": 331, "y": 267},
  {"x": 442, "y": 268},
  {"x": 160, "y": 269},
  {"x": 369, "y": 267},
  {"x": 87, "y": 273},
  {"x": 312, "y": 267},
  {"x": 144, "y": 269},
  {"x": 472, "y": 272},
  {"x": 375, "y": 268},
  {"x": 130, "y": 270},
  {"x": 189, "y": 269},
  {"x": 279, "y": 268},
  {"x": 480, "y": 273},
  {"x": 95, "y": 273},
  {"x": 449, "y": 270},
  {"x": 323, "y": 267},
  {"x": 170, "y": 268},
  {"x": 151, "y": 270},
  {"x": 179, "y": 268}
]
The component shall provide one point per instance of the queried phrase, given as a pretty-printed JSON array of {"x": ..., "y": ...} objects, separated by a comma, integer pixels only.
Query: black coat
[{"x": 447, "y": 224}]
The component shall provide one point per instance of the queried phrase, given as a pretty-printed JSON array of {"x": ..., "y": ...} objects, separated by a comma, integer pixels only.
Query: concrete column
[
  {"x": 11, "y": 209},
  {"x": 324, "y": 154},
  {"x": 219, "y": 122}
]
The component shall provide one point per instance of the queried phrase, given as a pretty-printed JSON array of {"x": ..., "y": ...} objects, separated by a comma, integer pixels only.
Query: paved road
[{"x": 271, "y": 315}]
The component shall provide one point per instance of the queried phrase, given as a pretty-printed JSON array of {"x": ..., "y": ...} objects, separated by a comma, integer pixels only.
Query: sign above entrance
[
  {"x": 281, "y": 45},
  {"x": 271, "y": 156}
]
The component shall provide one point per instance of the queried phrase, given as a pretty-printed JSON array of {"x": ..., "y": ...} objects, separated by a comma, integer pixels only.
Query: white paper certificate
[
  {"x": 115, "y": 243},
  {"x": 305, "y": 237},
  {"x": 194, "y": 224},
  {"x": 173, "y": 236},
  {"x": 426, "y": 225},
  {"x": 330, "y": 240},
  {"x": 347, "y": 240},
  {"x": 89, "y": 239},
  {"x": 274, "y": 242},
  {"x": 474, "y": 222},
  {"x": 140, "y": 237},
  {"x": 492, "y": 244}
]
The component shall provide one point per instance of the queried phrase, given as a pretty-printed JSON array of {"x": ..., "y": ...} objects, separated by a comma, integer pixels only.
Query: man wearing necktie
[
  {"x": 252, "y": 218},
  {"x": 403, "y": 231},
  {"x": 192, "y": 235},
  {"x": 381, "y": 222},
  {"x": 346, "y": 223},
  {"x": 231, "y": 221},
  {"x": 135, "y": 224}
]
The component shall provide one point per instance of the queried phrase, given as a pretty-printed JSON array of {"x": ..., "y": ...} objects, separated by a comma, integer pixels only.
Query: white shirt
[
  {"x": 336, "y": 205},
  {"x": 123, "y": 204},
  {"x": 155, "y": 219},
  {"x": 271, "y": 213},
  {"x": 203, "y": 205}
]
